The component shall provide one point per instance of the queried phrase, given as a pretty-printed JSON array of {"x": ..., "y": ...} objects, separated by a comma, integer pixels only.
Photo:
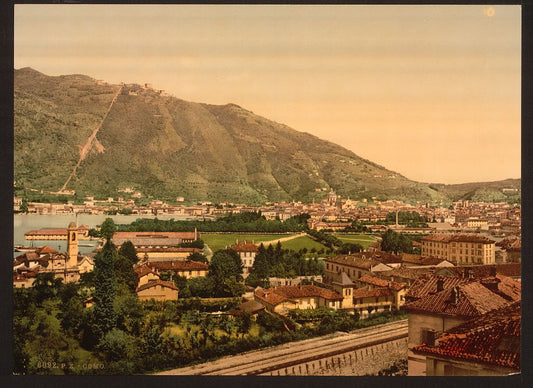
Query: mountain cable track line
[{"x": 87, "y": 146}]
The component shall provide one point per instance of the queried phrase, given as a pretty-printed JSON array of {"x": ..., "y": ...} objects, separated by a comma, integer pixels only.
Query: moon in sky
[{"x": 489, "y": 12}]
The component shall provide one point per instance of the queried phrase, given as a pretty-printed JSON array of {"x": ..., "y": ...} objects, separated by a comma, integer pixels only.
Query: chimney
[
  {"x": 440, "y": 284},
  {"x": 454, "y": 297},
  {"x": 493, "y": 270}
]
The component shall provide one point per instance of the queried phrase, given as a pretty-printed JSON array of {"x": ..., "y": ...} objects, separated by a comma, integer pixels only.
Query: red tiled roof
[
  {"x": 480, "y": 271},
  {"x": 156, "y": 235},
  {"x": 178, "y": 265},
  {"x": 373, "y": 293},
  {"x": 493, "y": 338},
  {"x": 510, "y": 243},
  {"x": 420, "y": 260},
  {"x": 506, "y": 287},
  {"x": 412, "y": 273},
  {"x": 168, "y": 249},
  {"x": 427, "y": 285},
  {"x": 46, "y": 249},
  {"x": 244, "y": 246},
  {"x": 381, "y": 282},
  {"x": 279, "y": 294},
  {"x": 473, "y": 299},
  {"x": 144, "y": 270},
  {"x": 157, "y": 283},
  {"x": 475, "y": 238},
  {"x": 47, "y": 231},
  {"x": 354, "y": 260}
]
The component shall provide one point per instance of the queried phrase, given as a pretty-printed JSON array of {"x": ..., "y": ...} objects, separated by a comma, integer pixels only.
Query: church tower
[{"x": 72, "y": 245}]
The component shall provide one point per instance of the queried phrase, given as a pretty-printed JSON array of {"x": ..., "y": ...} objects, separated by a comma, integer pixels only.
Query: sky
[{"x": 431, "y": 92}]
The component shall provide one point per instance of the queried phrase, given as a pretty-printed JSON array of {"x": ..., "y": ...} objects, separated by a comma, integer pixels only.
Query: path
[
  {"x": 88, "y": 145},
  {"x": 270, "y": 242}
]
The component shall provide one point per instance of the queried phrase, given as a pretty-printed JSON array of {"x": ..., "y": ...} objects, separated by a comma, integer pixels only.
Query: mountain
[{"x": 111, "y": 137}]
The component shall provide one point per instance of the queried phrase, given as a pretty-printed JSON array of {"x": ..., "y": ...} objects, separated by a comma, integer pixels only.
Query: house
[
  {"x": 375, "y": 300},
  {"x": 247, "y": 252},
  {"x": 512, "y": 270},
  {"x": 145, "y": 274},
  {"x": 459, "y": 248},
  {"x": 186, "y": 268},
  {"x": 282, "y": 299},
  {"x": 488, "y": 345},
  {"x": 24, "y": 280},
  {"x": 276, "y": 282},
  {"x": 158, "y": 290},
  {"x": 155, "y": 239},
  {"x": 355, "y": 266},
  {"x": 398, "y": 290},
  {"x": 410, "y": 260},
  {"x": 443, "y": 308},
  {"x": 167, "y": 253},
  {"x": 407, "y": 275}
]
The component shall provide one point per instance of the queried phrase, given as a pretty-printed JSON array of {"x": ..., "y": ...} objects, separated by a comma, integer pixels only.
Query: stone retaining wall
[{"x": 360, "y": 362}]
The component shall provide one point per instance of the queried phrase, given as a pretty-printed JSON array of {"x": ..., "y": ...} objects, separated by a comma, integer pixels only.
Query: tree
[
  {"x": 124, "y": 272},
  {"x": 105, "y": 289},
  {"x": 395, "y": 242},
  {"x": 127, "y": 249},
  {"x": 202, "y": 286},
  {"x": 197, "y": 256},
  {"x": 108, "y": 228},
  {"x": 243, "y": 322},
  {"x": 261, "y": 266},
  {"x": 225, "y": 264},
  {"x": 350, "y": 248},
  {"x": 24, "y": 206},
  {"x": 46, "y": 286}
]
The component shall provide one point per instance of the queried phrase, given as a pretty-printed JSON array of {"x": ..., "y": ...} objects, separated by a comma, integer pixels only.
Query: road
[
  {"x": 272, "y": 242},
  {"x": 282, "y": 356}
]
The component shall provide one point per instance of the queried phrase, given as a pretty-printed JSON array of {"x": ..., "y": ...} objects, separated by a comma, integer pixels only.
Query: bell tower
[{"x": 72, "y": 245}]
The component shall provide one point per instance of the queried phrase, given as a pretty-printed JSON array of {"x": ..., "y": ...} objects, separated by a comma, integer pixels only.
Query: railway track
[{"x": 294, "y": 353}]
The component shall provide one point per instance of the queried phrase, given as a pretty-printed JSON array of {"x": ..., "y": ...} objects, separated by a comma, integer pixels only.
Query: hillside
[
  {"x": 165, "y": 147},
  {"x": 508, "y": 190}
]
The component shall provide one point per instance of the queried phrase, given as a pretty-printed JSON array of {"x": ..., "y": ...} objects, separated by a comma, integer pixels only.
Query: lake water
[{"x": 23, "y": 223}]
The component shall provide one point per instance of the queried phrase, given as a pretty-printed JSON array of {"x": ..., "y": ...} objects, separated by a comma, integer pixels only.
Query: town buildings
[
  {"x": 282, "y": 299},
  {"x": 66, "y": 265},
  {"x": 459, "y": 248},
  {"x": 488, "y": 345},
  {"x": 436, "y": 304}
]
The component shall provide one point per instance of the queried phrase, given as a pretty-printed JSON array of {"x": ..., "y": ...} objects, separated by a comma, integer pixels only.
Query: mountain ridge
[{"x": 167, "y": 147}]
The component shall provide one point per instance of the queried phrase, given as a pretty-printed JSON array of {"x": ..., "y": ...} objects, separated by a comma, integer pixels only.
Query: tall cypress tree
[{"x": 105, "y": 282}]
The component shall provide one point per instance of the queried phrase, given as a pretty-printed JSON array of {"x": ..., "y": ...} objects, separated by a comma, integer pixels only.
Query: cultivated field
[{"x": 221, "y": 241}]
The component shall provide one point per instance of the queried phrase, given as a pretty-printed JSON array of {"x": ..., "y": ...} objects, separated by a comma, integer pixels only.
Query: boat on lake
[{"x": 23, "y": 248}]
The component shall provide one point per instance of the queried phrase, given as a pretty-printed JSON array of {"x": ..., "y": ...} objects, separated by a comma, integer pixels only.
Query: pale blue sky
[{"x": 432, "y": 92}]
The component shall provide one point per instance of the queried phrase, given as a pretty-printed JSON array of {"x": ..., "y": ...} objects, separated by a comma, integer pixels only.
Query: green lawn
[
  {"x": 362, "y": 239},
  {"x": 221, "y": 241},
  {"x": 302, "y": 242}
]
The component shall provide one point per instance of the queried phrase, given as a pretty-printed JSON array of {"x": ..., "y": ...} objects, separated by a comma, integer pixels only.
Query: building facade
[{"x": 459, "y": 249}]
